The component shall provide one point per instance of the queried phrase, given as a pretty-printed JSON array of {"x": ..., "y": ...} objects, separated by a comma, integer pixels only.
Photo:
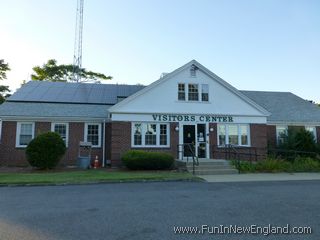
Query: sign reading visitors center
[{"x": 191, "y": 118}]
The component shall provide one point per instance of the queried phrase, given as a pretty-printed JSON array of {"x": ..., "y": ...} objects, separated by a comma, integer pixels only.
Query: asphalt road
[{"x": 140, "y": 211}]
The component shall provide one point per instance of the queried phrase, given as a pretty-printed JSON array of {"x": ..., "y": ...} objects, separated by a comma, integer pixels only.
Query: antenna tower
[{"x": 77, "y": 56}]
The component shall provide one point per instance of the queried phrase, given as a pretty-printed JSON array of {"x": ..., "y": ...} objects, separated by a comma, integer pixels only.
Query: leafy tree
[
  {"x": 51, "y": 71},
  {"x": 4, "y": 67}
]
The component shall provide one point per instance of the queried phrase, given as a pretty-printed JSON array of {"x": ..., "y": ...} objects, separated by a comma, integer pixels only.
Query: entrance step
[{"x": 212, "y": 167}]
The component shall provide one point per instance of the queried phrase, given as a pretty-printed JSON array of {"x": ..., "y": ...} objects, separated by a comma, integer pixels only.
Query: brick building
[{"x": 190, "y": 105}]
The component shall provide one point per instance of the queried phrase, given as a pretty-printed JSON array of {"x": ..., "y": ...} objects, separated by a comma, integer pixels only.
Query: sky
[{"x": 265, "y": 45}]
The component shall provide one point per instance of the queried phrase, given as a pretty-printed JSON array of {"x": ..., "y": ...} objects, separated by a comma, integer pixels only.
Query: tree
[
  {"x": 51, "y": 71},
  {"x": 4, "y": 67}
]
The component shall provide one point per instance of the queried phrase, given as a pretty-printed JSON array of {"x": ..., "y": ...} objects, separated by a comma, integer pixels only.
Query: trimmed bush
[
  {"x": 142, "y": 160},
  {"x": 46, "y": 150}
]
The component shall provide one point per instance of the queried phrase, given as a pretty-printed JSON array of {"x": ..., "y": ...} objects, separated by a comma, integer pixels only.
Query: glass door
[
  {"x": 201, "y": 141},
  {"x": 189, "y": 140}
]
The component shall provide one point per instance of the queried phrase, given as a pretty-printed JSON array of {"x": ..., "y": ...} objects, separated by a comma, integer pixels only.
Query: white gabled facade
[{"x": 161, "y": 97}]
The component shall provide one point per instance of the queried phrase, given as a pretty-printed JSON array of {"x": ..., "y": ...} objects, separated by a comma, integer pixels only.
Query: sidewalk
[{"x": 256, "y": 177}]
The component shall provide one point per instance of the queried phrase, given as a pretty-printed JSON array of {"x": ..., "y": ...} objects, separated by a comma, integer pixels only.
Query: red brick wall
[
  {"x": 12, "y": 156},
  {"x": 121, "y": 141},
  {"x": 272, "y": 136},
  {"x": 318, "y": 134}
]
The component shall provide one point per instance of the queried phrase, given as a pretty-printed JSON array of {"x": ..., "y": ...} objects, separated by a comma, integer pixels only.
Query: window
[
  {"x": 281, "y": 133},
  {"x": 150, "y": 135},
  {"x": 93, "y": 134},
  {"x": 62, "y": 129},
  {"x": 25, "y": 133},
  {"x": 235, "y": 134},
  {"x": 222, "y": 135},
  {"x": 313, "y": 130},
  {"x": 193, "y": 93},
  {"x": 163, "y": 134},
  {"x": 137, "y": 139},
  {"x": 205, "y": 92},
  {"x": 181, "y": 92},
  {"x": 244, "y": 135}
]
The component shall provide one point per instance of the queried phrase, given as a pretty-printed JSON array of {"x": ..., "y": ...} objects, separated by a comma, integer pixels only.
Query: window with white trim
[
  {"x": 281, "y": 133},
  {"x": 150, "y": 134},
  {"x": 181, "y": 92},
  {"x": 25, "y": 133},
  {"x": 93, "y": 134},
  {"x": 313, "y": 130},
  {"x": 204, "y": 92},
  {"x": 193, "y": 92},
  {"x": 62, "y": 129},
  {"x": 235, "y": 134}
]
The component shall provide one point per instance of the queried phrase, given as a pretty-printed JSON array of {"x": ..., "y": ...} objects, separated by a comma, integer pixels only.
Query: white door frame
[{"x": 196, "y": 138}]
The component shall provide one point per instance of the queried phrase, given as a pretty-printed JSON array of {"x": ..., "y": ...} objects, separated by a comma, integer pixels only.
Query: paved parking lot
[{"x": 151, "y": 210}]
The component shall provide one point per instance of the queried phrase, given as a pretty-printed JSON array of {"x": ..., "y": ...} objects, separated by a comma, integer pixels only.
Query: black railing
[
  {"x": 290, "y": 154},
  {"x": 190, "y": 147},
  {"x": 227, "y": 151}
]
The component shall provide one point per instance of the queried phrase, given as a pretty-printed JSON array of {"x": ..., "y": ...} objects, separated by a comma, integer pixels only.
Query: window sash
[
  {"x": 181, "y": 92},
  {"x": 205, "y": 92},
  {"x": 280, "y": 130},
  {"x": 313, "y": 130},
  {"x": 62, "y": 129},
  {"x": 193, "y": 92},
  {"x": 25, "y": 133},
  {"x": 236, "y": 134},
  {"x": 152, "y": 135},
  {"x": 93, "y": 134}
]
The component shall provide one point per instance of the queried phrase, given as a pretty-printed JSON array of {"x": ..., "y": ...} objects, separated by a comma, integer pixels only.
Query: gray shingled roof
[
  {"x": 57, "y": 99},
  {"x": 64, "y": 92},
  {"x": 286, "y": 107},
  {"x": 53, "y": 110}
]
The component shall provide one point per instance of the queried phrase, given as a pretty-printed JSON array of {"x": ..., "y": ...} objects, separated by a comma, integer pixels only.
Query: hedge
[
  {"x": 142, "y": 160},
  {"x": 46, "y": 150}
]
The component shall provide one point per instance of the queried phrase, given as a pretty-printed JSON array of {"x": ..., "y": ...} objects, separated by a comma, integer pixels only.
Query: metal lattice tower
[{"x": 77, "y": 56}]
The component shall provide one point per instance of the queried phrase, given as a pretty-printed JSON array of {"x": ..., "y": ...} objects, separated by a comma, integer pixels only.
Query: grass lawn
[{"x": 91, "y": 176}]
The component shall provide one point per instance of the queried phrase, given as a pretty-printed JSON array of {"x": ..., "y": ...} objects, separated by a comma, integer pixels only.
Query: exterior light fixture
[
  {"x": 211, "y": 129},
  {"x": 177, "y": 128}
]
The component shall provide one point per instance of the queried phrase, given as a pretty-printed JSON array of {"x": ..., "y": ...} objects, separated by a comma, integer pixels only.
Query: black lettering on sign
[
  {"x": 180, "y": 118},
  {"x": 230, "y": 119},
  {"x": 165, "y": 118},
  {"x": 193, "y": 118},
  {"x": 201, "y": 118},
  {"x": 225, "y": 119},
  {"x": 186, "y": 118},
  {"x": 155, "y": 117}
]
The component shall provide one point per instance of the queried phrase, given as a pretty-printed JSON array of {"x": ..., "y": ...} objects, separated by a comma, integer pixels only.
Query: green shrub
[
  {"x": 245, "y": 166},
  {"x": 46, "y": 150},
  {"x": 141, "y": 160},
  {"x": 305, "y": 165},
  {"x": 273, "y": 165}
]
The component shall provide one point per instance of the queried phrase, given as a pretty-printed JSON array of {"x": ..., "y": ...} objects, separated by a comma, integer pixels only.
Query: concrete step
[
  {"x": 210, "y": 164},
  {"x": 215, "y": 172}
]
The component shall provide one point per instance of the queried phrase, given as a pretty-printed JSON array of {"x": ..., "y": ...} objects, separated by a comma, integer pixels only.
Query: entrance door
[
  {"x": 189, "y": 139},
  {"x": 201, "y": 141}
]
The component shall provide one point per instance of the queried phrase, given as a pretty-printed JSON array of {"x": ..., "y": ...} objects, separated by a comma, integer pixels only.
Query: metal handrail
[{"x": 195, "y": 160}]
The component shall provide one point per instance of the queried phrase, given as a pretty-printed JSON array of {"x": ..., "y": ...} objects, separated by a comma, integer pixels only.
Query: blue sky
[{"x": 253, "y": 45}]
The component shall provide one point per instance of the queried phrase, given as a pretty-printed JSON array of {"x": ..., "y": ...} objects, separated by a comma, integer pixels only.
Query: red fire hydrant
[{"x": 96, "y": 163}]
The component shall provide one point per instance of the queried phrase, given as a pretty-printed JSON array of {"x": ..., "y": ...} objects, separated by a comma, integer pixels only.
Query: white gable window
[
  {"x": 235, "y": 134},
  {"x": 204, "y": 92},
  {"x": 181, "y": 92},
  {"x": 193, "y": 92},
  {"x": 92, "y": 133},
  {"x": 62, "y": 129},
  {"x": 281, "y": 134},
  {"x": 25, "y": 133},
  {"x": 150, "y": 135},
  {"x": 313, "y": 130}
]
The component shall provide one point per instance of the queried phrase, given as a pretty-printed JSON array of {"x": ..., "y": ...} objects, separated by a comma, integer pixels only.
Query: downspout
[{"x": 104, "y": 143}]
